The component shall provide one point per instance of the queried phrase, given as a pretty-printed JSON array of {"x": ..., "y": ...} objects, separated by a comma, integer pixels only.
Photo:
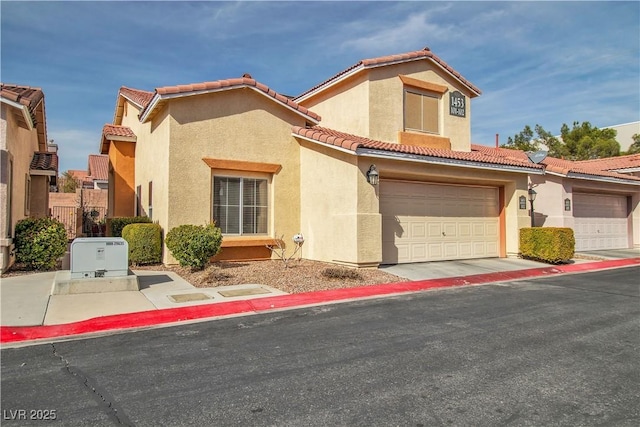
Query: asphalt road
[{"x": 553, "y": 351}]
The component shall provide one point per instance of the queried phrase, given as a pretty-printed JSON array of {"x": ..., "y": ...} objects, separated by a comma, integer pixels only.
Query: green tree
[
  {"x": 69, "y": 183},
  {"x": 522, "y": 141},
  {"x": 635, "y": 147},
  {"x": 528, "y": 140},
  {"x": 584, "y": 142}
]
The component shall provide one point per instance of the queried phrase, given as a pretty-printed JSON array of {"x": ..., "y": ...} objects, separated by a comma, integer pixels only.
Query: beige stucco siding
[
  {"x": 553, "y": 190},
  {"x": 371, "y": 104},
  {"x": 17, "y": 145},
  {"x": 345, "y": 107},
  {"x": 231, "y": 125},
  {"x": 339, "y": 215}
]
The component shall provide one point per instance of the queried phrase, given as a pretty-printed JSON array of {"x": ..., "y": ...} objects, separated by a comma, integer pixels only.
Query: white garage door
[
  {"x": 600, "y": 221},
  {"x": 432, "y": 222}
]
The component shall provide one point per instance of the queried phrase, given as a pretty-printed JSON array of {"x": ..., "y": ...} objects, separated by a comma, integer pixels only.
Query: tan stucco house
[
  {"x": 27, "y": 167},
  {"x": 263, "y": 165},
  {"x": 599, "y": 199}
]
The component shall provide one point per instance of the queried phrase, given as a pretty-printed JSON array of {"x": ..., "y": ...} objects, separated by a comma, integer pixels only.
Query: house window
[
  {"x": 138, "y": 200},
  {"x": 27, "y": 195},
  {"x": 150, "y": 212},
  {"x": 421, "y": 112},
  {"x": 240, "y": 205}
]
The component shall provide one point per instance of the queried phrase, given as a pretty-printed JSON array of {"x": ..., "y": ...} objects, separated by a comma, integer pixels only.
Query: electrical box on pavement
[{"x": 99, "y": 257}]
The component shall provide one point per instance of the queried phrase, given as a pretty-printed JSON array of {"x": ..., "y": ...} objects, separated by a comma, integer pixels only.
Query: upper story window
[
  {"x": 240, "y": 205},
  {"x": 421, "y": 112}
]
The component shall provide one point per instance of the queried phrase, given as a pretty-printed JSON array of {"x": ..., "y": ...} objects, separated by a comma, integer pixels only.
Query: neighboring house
[
  {"x": 599, "y": 199},
  {"x": 258, "y": 163},
  {"x": 85, "y": 209},
  {"x": 28, "y": 168},
  {"x": 97, "y": 174},
  {"x": 624, "y": 134}
]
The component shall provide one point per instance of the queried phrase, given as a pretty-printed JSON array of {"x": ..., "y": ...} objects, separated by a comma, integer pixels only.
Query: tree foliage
[
  {"x": 580, "y": 142},
  {"x": 527, "y": 140},
  {"x": 584, "y": 142},
  {"x": 635, "y": 147},
  {"x": 69, "y": 183}
]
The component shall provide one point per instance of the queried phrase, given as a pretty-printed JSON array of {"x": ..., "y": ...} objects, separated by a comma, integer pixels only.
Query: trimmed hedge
[
  {"x": 145, "y": 243},
  {"x": 553, "y": 245},
  {"x": 194, "y": 245},
  {"x": 40, "y": 242},
  {"x": 116, "y": 225}
]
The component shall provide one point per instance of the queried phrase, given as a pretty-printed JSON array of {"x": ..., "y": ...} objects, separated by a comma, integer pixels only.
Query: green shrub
[
  {"x": 116, "y": 225},
  {"x": 40, "y": 242},
  {"x": 145, "y": 243},
  {"x": 193, "y": 245},
  {"x": 553, "y": 245}
]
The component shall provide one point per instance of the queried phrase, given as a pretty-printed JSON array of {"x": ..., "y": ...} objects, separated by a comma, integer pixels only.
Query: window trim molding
[
  {"x": 421, "y": 84},
  {"x": 242, "y": 166}
]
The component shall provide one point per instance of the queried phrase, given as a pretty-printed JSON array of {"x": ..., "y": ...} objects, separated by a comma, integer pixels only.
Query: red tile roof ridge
[
  {"x": 389, "y": 59},
  {"x": 232, "y": 83},
  {"x": 353, "y": 142},
  {"x": 99, "y": 166}
]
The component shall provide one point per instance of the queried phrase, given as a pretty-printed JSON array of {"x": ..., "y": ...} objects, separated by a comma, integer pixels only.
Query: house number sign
[{"x": 457, "y": 104}]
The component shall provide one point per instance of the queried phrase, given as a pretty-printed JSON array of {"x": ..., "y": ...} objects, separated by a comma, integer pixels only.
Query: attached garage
[
  {"x": 436, "y": 222},
  {"x": 601, "y": 221}
]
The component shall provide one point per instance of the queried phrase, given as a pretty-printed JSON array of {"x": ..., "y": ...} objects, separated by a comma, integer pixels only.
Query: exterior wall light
[
  {"x": 532, "y": 197},
  {"x": 372, "y": 175},
  {"x": 567, "y": 204},
  {"x": 522, "y": 202}
]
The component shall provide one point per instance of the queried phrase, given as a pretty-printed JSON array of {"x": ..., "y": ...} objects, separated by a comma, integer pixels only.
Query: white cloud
[{"x": 74, "y": 147}]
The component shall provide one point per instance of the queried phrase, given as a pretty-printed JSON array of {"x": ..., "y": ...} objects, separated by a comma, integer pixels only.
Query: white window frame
[{"x": 242, "y": 178}]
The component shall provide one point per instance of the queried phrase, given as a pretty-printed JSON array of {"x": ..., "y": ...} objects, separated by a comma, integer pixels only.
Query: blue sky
[{"x": 544, "y": 63}]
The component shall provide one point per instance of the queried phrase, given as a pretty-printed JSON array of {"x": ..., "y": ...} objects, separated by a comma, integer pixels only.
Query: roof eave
[
  {"x": 23, "y": 109},
  {"x": 609, "y": 179},
  {"x": 368, "y": 152}
]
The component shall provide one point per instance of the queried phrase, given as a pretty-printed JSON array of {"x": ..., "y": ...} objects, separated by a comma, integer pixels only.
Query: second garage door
[
  {"x": 600, "y": 221},
  {"x": 435, "y": 222}
]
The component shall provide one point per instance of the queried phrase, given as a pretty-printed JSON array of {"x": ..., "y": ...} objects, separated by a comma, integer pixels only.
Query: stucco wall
[
  {"x": 371, "y": 104},
  {"x": 329, "y": 205},
  {"x": 122, "y": 159},
  {"x": 340, "y": 209},
  {"x": 553, "y": 190},
  {"x": 231, "y": 125},
  {"x": 18, "y": 145},
  {"x": 345, "y": 107}
]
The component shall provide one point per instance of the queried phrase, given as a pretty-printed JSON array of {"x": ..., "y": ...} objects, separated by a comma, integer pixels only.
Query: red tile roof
[
  {"x": 110, "y": 132},
  {"x": 115, "y": 130},
  {"x": 598, "y": 167},
  {"x": 353, "y": 142},
  {"x": 28, "y": 96},
  {"x": 44, "y": 161},
  {"x": 396, "y": 59},
  {"x": 139, "y": 97},
  {"x": 631, "y": 161},
  {"x": 214, "y": 86},
  {"x": 99, "y": 167}
]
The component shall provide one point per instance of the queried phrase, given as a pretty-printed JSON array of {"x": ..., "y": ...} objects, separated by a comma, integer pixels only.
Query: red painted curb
[{"x": 10, "y": 334}]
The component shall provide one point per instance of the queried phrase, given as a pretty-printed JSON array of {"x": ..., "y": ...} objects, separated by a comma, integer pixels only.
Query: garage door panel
[
  {"x": 600, "y": 221},
  {"x": 457, "y": 222}
]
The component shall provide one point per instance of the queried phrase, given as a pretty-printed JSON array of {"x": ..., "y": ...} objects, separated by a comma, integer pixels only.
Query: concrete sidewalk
[{"x": 28, "y": 310}]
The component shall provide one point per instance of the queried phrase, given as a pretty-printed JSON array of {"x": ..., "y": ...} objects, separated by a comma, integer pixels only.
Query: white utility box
[{"x": 99, "y": 257}]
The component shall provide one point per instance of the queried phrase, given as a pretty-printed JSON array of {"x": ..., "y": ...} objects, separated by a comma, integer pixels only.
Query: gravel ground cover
[{"x": 296, "y": 277}]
